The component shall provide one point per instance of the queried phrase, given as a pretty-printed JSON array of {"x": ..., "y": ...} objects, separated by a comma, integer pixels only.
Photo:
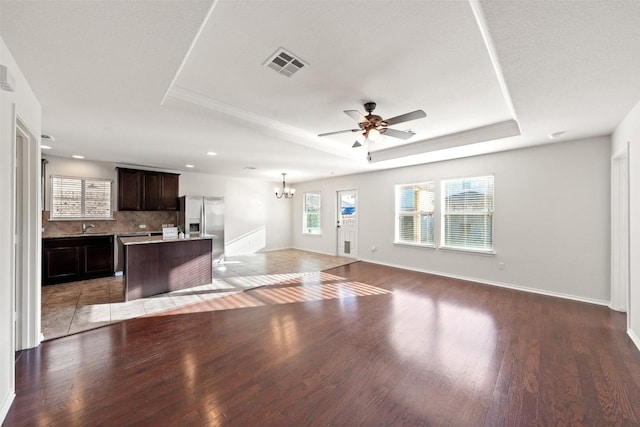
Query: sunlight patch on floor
[
  {"x": 79, "y": 306},
  {"x": 308, "y": 287}
]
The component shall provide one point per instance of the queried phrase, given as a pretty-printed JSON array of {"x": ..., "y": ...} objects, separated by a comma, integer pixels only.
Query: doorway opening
[
  {"x": 620, "y": 233},
  {"x": 26, "y": 239}
]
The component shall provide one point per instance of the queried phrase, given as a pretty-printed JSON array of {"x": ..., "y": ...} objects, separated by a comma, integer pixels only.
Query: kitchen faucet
[{"x": 86, "y": 226}]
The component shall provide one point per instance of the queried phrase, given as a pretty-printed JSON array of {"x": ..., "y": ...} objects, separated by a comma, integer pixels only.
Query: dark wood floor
[{"x": 360, "y": 345}]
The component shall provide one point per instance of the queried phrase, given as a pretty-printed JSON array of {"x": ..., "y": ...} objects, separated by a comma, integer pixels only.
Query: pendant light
[{"x": 285, "y": 191}]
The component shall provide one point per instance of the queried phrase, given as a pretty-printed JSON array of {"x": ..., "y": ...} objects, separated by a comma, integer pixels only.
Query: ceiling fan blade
[
  {"x": 356, "y": 115},
  {"x": 340, "y": 131},
  {"x": 418, "y": 114},
  {"x": 397, "y": 133}
]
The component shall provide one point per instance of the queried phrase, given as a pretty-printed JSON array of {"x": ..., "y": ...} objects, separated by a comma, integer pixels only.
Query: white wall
[
  {"x": 551, "y": 221},
  {"x": 23, "y": 104},
  {"x": 628, "y": 131},
  {"x": 254, "y": 219}
]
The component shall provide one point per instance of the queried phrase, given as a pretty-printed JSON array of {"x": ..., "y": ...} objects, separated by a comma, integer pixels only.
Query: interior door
[{"x": 348, "y": 223}]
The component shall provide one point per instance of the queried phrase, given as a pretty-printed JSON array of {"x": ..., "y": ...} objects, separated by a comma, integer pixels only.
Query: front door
[{"x": 348, "y": 223}]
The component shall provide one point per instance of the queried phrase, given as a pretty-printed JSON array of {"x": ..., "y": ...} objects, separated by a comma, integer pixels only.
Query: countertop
[
  {"x": 141, "y": 240},
  {"x": 115, "y": 234}
]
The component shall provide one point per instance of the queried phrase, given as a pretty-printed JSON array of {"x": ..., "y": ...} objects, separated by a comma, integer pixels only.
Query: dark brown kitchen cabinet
[
  {"x": 169, "y": 194},
  {"x": 151, "y": 191},
  {"x": 129, "y": 190},
  {"x": 141, "y": 190},
  {"x": 67, "y": 259}
]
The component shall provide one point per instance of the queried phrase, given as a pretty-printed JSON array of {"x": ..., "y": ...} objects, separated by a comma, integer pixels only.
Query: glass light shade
[{"x": 373, "y": 134}]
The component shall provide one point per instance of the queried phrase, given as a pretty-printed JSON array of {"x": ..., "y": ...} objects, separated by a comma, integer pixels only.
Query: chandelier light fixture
[{"x": 285, "y": 191}]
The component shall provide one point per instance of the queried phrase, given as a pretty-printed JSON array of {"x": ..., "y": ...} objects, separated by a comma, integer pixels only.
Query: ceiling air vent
[{"x": 284, "y": 62}]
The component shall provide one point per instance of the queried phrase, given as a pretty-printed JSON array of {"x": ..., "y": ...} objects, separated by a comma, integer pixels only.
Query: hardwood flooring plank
[{"x": 361, "y": 344}]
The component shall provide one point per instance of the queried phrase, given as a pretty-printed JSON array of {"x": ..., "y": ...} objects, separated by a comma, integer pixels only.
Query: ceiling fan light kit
[
  {"x": 373, "y": 134},
  {"x": 372, "y": 125}
]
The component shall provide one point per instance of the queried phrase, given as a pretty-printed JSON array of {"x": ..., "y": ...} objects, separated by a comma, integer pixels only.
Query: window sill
[
  {"x": 414, "y": 245},
  {"x": 312, "y": 234},
  {"x": 481, "y": 252},
  {"x": 80, "y": 219}
]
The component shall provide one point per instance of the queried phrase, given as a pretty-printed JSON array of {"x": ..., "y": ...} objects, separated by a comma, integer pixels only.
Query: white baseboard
[
  {"x": 634, "y": 338},
  {"x": 274, "y": 249},
  {"x": 499, "y": 284},
  {"x": 621, "y": 310},
  {"x": 318, "y": 252},
  {"x": 6, "y": 404}
]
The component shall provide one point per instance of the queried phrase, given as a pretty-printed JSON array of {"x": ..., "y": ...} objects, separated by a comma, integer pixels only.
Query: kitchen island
[{"x": 154, "y": 265}]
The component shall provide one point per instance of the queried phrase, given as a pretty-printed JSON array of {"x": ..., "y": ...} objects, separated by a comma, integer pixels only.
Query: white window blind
[
  {"x": 467, "y": 213},
  {"x": 414, "y": 213},
  {"x": 311, "y": 217},
  {"x": 80, "y": 198}
]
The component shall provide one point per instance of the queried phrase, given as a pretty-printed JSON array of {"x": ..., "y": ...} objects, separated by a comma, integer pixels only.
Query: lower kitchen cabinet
[{"x": 67, "y": 259}]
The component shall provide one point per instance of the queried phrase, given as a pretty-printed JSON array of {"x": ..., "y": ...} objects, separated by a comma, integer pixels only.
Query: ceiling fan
[{"x": 372, "y": 125}]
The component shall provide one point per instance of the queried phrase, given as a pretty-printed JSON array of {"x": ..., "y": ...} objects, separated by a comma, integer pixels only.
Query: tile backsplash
[{"x": 123, "y": 222}]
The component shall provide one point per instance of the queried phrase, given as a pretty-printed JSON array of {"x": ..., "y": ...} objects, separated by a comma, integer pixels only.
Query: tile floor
[{"x": 79, "y": 306}]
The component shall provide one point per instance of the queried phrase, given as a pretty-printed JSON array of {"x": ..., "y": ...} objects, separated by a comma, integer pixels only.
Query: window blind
[
  {"x": 79, "y": 198},
  {"x": 414, "y": 213},
  {"x": 467, "y": 217}
]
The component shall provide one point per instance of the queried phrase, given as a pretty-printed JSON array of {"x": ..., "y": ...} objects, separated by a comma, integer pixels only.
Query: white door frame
[
  {"x": 339, "y": 226},
  {"x": 620, "y": 232},
  {"x": 27, "y": 211}
]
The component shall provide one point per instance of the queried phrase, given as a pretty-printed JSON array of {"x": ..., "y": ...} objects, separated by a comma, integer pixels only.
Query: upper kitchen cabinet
[
  {"x": 141, "y": 190},
  {"x": 129, "y": 189},
  {"x": 151, "y": 191},
  {"x": 169, "y": 191}
]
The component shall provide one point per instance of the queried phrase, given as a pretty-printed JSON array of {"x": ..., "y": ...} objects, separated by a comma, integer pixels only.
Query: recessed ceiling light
[
  {"x": 75, "y": 156},
  {"x": 49, "y": 137},
  {"x": 45, "y": 147},
  {"x": 211, "y": 153},
  {"x": 556, "y": 135},
  {"x": 189, "y": 166}
]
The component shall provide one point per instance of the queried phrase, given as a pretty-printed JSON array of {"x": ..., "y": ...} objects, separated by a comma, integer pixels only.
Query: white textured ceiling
[{"x": 159, "y": 83}]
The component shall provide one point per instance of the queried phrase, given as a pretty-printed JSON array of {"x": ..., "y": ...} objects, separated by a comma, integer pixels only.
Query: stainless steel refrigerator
[{"x": 203, "y": 216}]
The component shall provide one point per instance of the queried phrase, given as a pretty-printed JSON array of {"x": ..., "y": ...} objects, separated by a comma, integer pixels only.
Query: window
[
  {"x": 80, "y": 198},
  {"x": 311, "y": 218},
  {"x": 414, "y": 213},
  {"x": 467, "y": 213}
]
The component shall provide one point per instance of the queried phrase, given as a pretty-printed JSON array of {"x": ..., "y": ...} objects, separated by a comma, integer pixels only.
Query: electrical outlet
[
  {"x": 142, "y": 226},
  {"x": 501, "y": 266}
]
